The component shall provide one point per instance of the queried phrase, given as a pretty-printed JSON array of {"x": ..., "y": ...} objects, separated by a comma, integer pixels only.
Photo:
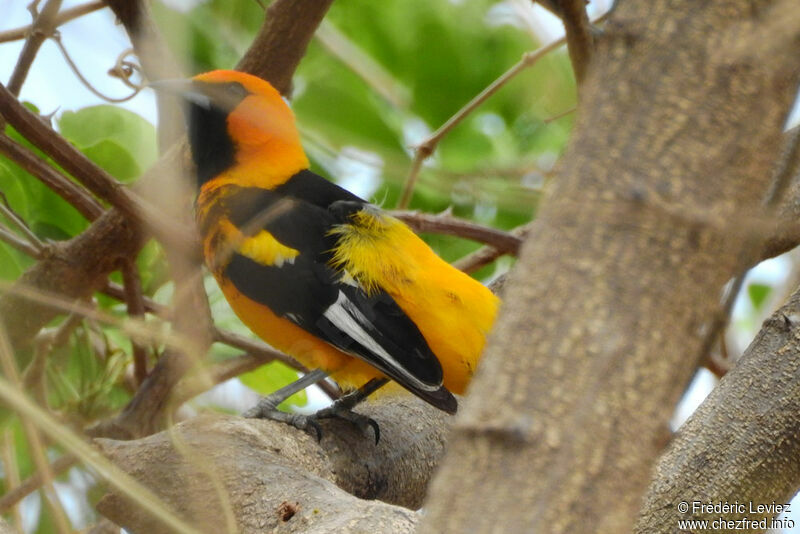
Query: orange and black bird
[{"x": 316, "y": 271}]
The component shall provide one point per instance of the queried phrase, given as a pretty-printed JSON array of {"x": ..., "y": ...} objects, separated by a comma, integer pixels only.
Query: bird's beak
[{"x": 183, "y": 88}]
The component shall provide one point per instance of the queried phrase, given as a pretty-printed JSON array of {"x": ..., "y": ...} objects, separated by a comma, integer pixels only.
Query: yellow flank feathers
[
  {"x": 453, "y": 311},
  {"x": 265, "y": 249}
]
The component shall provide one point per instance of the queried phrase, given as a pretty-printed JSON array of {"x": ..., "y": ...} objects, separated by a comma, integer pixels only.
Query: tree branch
[
  {"x": 580, "y": 40},
  {"x": 264, "y": 466},
  {"x": 67, "y": 156},
  {"x": 282, "y": 41},
  {"x": 741, "y": 443},
  {"x": 505, "y": 242},
  {"x": 49, "y": 176},
  {"x": 43, "y": 26},
  {"x": 62, "y": 18}
]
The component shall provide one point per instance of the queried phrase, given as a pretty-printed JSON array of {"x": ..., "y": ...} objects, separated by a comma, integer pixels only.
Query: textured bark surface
[
  {"x": 742, "y": 444},
  {"x": 606, "y": 312},
  {"x": 262, "y": 472}
]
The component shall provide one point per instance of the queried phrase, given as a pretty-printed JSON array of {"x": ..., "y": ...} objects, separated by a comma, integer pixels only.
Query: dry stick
[
  {"x": 49, "y": 176},
  {"x": 135, "y": 303},
  {"x": 37, "y": 445},
  {"x": 580, "y": 39},
  {"x": 43, "y": 26},
  {"x": 63, "y": 17},
  {"x": 505, "y": 242}
]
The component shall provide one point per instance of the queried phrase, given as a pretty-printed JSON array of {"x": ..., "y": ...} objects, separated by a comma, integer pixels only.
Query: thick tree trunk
[{"x": 609, "y": 307}]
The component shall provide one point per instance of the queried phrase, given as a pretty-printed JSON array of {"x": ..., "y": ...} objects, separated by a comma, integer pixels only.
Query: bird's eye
[{"x": 236, "y": 90}]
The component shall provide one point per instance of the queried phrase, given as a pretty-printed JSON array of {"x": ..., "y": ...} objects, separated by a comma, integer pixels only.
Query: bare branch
[
  {"x": 62, "y": 18},
  {"x": 486, "y": 255},
  {"x": 43, "y": 27},
  {"x": 742, "y": 440},
  {"x": 580, "y": 40},
  {"x": 281, "y": 42},
  {"x": 446, "y": 224},
  {"x": 86, "y": 83},
  {"x": 284, "y": 464},
  {"x": 17, "y": 221}
]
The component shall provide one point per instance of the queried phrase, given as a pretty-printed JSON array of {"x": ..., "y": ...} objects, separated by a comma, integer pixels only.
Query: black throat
[{"x": 212, "y": 147}]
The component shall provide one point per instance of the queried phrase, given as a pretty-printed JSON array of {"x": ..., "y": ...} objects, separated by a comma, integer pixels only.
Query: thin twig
[
  {"x": 7, "y": 236},
  {"x": 255, "y": 348},
  {"x": 43, "y": 27},
  {"x": 86, "y": 83},
  {"x": 135, "y": 302},
  {"x": 17, "y": 221},
  {"x": 786, "y": 168},
  {"x": 44, "y": 343},
  {"x": 580, "y": 39},
  {"x": 505, "y": 242},
  {"x": 426, "y": 148},
  {"x": 560, "y": 115},
  {"x": 49, "y": 176},
  {"x": 63, "y": 17},
  {"x": 486, "y": 255}
]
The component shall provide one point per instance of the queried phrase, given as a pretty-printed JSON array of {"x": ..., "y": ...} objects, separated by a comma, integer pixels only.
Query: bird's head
[{"x": 240, "y": 129}]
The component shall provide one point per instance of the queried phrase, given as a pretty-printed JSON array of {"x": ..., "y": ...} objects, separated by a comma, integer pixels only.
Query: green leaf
[
  {"x": 758, "y": 294},
  {"x": 91, "y": 125},
  {"x": 11, "y": 265},
  {"x": 270, "y": 378},
  {"x": 114, "y": 159}
]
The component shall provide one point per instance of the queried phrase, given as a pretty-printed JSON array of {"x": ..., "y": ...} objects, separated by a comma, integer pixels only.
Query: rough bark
[
  {"x": 742, "y": 443},
  {"x": 605, "y": 316},
  {"x": 269, "y": 471},
  {"x": 282, "y": 41}
]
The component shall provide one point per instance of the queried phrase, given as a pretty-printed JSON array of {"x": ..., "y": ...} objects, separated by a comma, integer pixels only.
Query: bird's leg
[
  {"x": 267, "y": 407},
  {"x": 343, "y": 408}
]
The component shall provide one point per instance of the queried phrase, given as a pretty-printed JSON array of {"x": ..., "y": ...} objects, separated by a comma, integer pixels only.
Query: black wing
[{"x": 324, "y": 301}]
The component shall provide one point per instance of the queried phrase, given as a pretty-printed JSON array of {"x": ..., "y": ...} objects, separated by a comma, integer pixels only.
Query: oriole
[{"x": 316, "y": 271}]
